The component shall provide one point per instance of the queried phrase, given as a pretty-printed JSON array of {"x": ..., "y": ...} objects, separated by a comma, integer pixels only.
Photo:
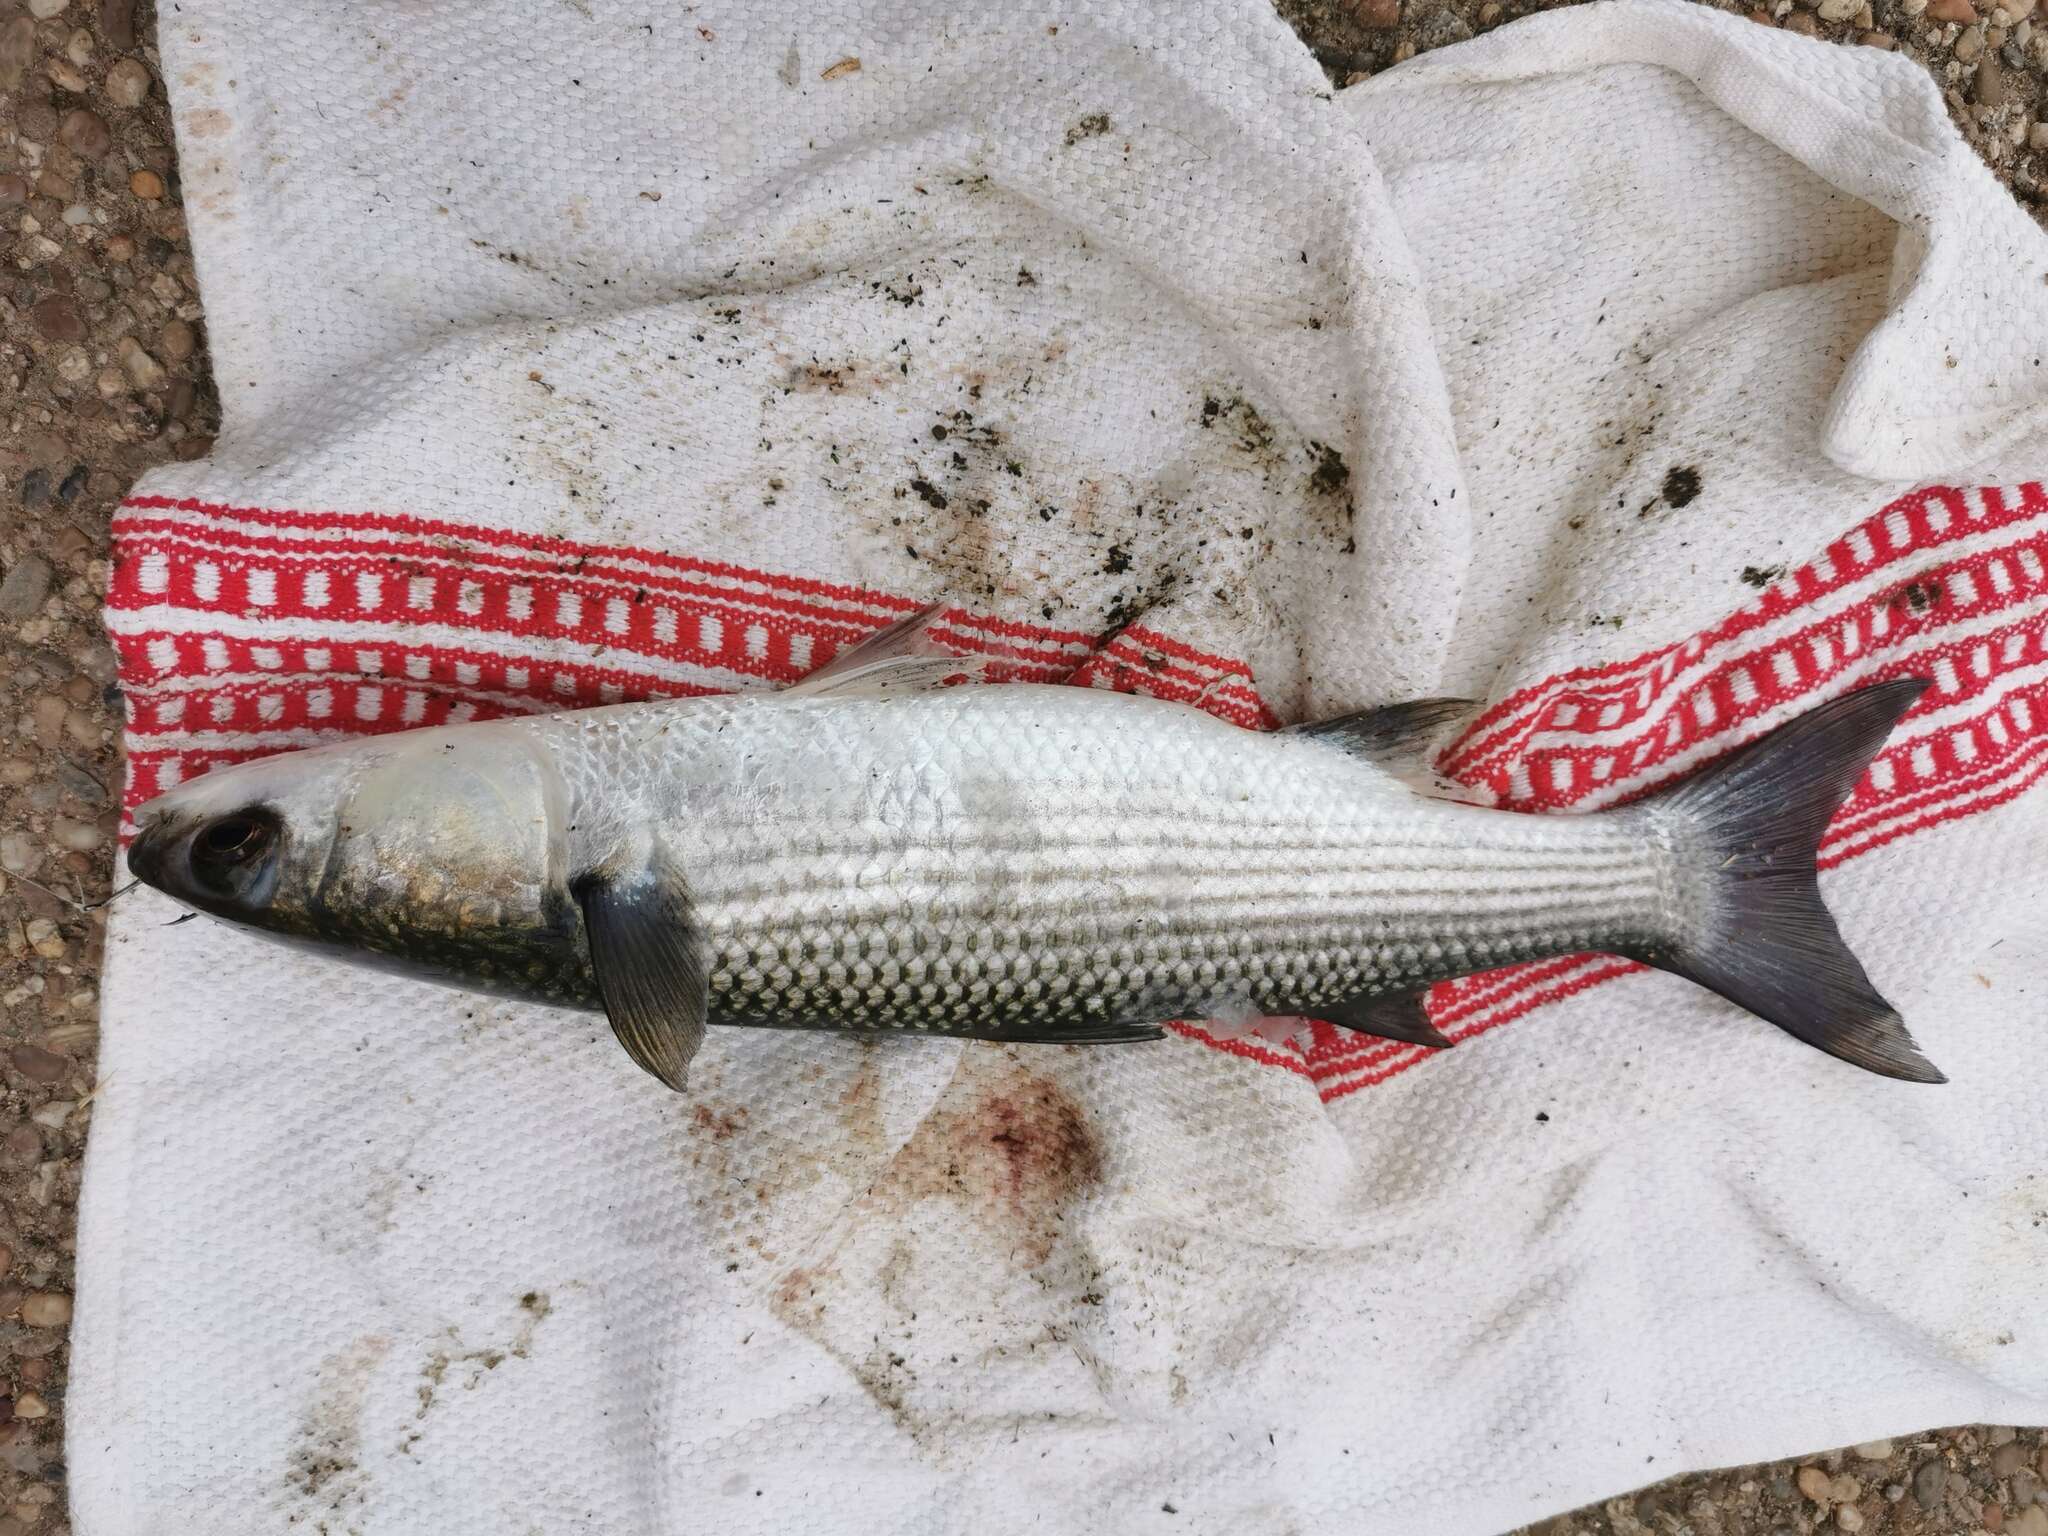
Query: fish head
[{"x": 436, "y": 852}]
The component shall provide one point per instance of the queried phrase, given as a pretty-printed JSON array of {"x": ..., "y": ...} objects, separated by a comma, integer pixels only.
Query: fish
[{"x": 899, "y": 846}]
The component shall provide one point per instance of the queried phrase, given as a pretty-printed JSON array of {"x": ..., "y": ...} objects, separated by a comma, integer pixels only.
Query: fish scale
[{"x": 1010, "y": 840}]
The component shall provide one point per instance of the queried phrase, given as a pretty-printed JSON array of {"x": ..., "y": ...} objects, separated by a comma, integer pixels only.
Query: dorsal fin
[
  {"x": 1397, "y": 738},
  {"x": 901, "y": 657}
]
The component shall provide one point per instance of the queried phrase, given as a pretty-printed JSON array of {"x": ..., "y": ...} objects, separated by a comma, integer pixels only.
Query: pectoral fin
[
  {"x": 1389, "y": 1015},
  {"x": 901, "y": 658},
  {"x": 648, "y": 953}
]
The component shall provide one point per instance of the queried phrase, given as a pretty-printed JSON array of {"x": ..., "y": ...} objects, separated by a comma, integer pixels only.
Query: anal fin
[
  {"x": 1076, "y": 1032},
  {"x": 1389, "y": 1015}
]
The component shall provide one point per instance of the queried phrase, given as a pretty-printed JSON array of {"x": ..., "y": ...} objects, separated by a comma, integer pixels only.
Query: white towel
[{"x": 1645, "y": 374}]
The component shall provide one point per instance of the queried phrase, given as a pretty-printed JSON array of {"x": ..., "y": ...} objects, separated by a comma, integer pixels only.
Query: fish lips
[{"x": 149, "y": 854}]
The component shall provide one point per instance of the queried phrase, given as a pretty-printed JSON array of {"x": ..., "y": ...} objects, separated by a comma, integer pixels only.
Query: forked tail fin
[{"x": 1744, "y": 834}]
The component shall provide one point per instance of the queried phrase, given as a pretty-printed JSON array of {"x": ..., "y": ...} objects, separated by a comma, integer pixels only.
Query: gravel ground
[{"x": 103, "y": 372}]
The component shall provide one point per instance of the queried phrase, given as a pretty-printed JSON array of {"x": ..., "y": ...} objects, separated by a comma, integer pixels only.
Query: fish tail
[{"x": 1744, "y": 835}]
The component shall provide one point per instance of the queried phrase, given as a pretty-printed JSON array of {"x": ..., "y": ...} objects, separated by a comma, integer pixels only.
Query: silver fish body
[
  {"x": 1012, "y": 862},
  {"x": 996, "y": 858}
]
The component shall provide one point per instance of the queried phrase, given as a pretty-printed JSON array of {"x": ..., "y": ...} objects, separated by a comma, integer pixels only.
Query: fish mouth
[{"x": 148, "y": 853}]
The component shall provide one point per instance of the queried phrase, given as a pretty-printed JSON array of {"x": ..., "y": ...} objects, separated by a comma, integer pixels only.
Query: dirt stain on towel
[{"x": 324, "y": 1474}]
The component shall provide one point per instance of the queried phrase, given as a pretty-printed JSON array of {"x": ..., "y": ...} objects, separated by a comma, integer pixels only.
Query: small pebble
[
  {"x": 78, "y": 783},
  {"x": 1893, "y": 1492},
  {"x": 177, "y": 340},
  {"x": 39, "y": 1065},
  {"x": 58, "y": 318},
  {"x": 111, "y": 384},
  {"x": 2025, "y": 1486},
  {"x": 145, "y": 370},
  {"x": 13, "y": 190},
  {"x": 1993, "y": 1516},
  {"x": 1849, "y": 1518},
  {"x": 128, "y": 83},
  {"x": 1839, "y": 10},
  {"x": 79, "y": 836},
  {"x": 18, "y": 853},
  {"x": 1815, "y": 1484},
  {"x": 43, "y": 10},
  {"x": 1379, "y": 15},
  {"x": 36, "y": 119},
  {"x": 2031, "y": 1521},
  {"x": 30, "y": 1405},
  {"x": 117, "y": 23},
  {"x": 85, "y": 134},
  {"x": 1878, "y": 40},
  {"x": 24, "y": 588},
  {"x": 2007, "y": 1458},
  {"x": 46, "y": 1309},
  {"x": 79, "y": 48},
  {"x": 120, "y": 248},
  {"x": 2001, "y": 1434},
  {"x": 147, "y": 185},
  {"x": 65, "y": 76},
  {"x": 1874, "y": 1450},
  {"x": 1803, "y": 24},
  {"x": 1928, "y": 1480},
  {"x": 17, "y": 48}
]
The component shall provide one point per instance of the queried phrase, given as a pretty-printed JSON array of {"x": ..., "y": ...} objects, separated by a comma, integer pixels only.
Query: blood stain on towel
[
  {"x": 1016, "y": 1151},
  {"x": 999, "y": 1162},
  {"x": 719, "y": 1122},
  {"x": 325, "y": 1470}
]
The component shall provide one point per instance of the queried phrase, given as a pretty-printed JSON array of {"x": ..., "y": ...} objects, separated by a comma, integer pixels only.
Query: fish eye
[
  {"x": 225, "y": 851},
  {"x": 234, "y": 837}
]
